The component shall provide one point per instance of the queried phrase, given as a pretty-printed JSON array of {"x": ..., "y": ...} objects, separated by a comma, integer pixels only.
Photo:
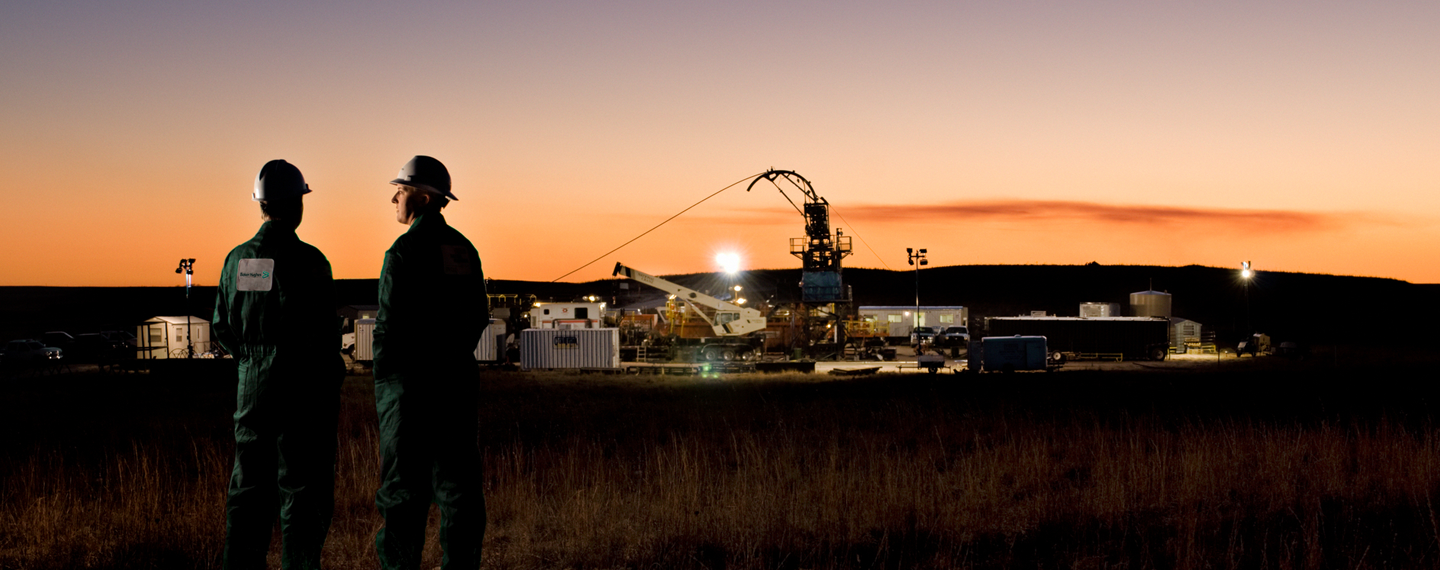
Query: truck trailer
[{"x": 1119, "y": 338}]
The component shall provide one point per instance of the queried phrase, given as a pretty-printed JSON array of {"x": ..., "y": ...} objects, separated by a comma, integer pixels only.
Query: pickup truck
[
  {"x": 921, "y": 335},
  {"x": 953, "y": 336},
  {"x": 28, "y": 351}
]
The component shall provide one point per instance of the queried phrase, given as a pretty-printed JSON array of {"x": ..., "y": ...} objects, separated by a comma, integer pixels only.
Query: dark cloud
[{"x": 1059, "y": 210}]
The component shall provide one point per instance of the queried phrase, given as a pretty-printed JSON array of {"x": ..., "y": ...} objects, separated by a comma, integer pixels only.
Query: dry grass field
[{"x": 1263, "y": 464}]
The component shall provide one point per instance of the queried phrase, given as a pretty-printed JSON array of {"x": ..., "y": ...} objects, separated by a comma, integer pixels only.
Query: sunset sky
[{"x": 1303, "y": 136}]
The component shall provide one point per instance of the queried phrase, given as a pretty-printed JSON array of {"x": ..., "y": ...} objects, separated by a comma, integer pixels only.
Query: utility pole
[
  {"x": 917, "y": 256},
  {"x": 187, "y": 266}
]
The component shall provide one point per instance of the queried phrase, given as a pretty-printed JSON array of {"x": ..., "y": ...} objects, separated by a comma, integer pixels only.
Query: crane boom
[{"x": 729, "y": 319}]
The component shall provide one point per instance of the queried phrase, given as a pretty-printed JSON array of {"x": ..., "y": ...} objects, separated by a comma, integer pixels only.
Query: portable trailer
[
  {"x": 1117, "y": 338},
  {"x": 1011, "y": 353},
  {"x": 553, "y": 349}
]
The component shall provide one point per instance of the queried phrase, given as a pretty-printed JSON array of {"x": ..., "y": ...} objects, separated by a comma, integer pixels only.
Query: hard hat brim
[
  {"x": 255, "y": 196},
  {"x": 424, "y": 187}
]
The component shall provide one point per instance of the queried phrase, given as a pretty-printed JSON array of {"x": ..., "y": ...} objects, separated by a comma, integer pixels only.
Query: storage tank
[{"x": 1150, "y": 304}]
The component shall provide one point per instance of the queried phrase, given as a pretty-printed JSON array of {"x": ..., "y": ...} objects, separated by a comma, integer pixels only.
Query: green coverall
[
  {"x": 275, "y": 312},
  {"x": 433, "y": 309}
]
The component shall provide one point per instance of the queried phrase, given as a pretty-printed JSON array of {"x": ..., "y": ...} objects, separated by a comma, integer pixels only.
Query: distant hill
[
  {"x": 1307, "y": 307},
  {"x": 1312, "y": 308}
]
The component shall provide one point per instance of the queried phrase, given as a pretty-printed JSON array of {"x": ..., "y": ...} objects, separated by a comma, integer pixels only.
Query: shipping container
[
  {"x": 1095, "y": 309},
  {"x": 488, "y": 349},
  {"x": 491, "y": 347},
  {"x": 579, "y": 348},
  {"x": 364, "y": 340}
]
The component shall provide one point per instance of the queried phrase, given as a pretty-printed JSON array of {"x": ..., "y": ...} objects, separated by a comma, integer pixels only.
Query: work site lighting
[
  {"x": 187, "y": 266},
  {"x": 728, "y": 262},
  {"x": 914, "y": 257},
  {"x": 1246, "y": 274}
]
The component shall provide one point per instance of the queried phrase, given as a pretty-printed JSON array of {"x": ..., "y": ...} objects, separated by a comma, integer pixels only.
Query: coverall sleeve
[
  {"x": 386, "y": 347},
  {"x": 221, "y": 326}
]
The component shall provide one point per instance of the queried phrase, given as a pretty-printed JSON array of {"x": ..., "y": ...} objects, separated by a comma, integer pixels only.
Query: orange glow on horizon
[{"x": 1299, "y": 136}]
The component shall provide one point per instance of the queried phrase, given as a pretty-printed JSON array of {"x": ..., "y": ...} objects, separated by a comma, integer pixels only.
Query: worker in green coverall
[
  {"x": 433, "y": 309},
  {"x": 275, "y": 312}
]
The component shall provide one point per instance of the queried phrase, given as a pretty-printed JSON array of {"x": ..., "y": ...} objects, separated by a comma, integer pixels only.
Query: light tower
[
  {"x": 1246, "y": 274},
  {"x": 187, "y": 266},
  {"x": 914, "y": 257}
]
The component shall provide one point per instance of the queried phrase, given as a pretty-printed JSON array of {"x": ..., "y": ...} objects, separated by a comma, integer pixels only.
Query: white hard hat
[
  {"x": 279, "y": 180},
  {"x": 427, "y": 174}
]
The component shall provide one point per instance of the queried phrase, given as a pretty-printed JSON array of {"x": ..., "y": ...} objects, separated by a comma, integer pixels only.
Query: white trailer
[
  {"x": 900, "y": 319},
  {"x": 166, "y": 337},
  {"x": 567, "y": 315}
]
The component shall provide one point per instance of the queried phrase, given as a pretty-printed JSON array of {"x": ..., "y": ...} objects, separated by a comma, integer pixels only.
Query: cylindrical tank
[{"x": 1150, "y": 304}]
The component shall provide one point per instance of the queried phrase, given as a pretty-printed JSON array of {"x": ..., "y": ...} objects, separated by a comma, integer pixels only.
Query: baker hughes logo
[
  {"x": 258, "y": 275},
  {"x": 567, "y": 342}
]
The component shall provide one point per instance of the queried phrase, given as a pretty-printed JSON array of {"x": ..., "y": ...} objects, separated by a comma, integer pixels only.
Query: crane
[{"x": 728, "y": 320}]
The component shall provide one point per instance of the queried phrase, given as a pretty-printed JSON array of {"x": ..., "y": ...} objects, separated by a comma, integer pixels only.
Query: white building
[
  {"x": 1184, "y": 332},
  {"x": 567, "y": 315},
  {"x": 166, "y": 337},
  {"x": 902, "y": 318},
  {"x": 1092, "y": 310}
]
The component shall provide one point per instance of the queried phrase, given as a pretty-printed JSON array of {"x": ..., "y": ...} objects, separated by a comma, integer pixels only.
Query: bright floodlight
[
  {"x": 729, "y": 262},
  {"x": 1245, "y": 270}
]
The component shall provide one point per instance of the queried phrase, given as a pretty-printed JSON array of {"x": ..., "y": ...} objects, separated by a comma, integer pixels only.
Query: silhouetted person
[
  {"x": 433, "y": 309},
  {"x": 275, "y": 312}
]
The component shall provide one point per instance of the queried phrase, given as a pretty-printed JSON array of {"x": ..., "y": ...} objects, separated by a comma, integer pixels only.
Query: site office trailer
[
  {"x": 489, "y": 349},
  {"x": 1137, "y": 338},
  {"x": 550, "y": 349},
  {"x": 567, "y": 315},
  {"x": 901, "y": 318},
  {"x": 165, "y": 337}
]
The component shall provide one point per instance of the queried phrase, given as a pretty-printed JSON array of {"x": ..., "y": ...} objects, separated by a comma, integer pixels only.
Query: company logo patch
[
  {"x": 255, "y": 275},
  {"x": 567, "y": 342}
]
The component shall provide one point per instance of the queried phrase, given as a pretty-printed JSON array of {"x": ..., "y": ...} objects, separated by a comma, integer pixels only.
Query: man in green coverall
[
  {"x": 275, "y": 312},
  {"x": 433, "y": 310}
]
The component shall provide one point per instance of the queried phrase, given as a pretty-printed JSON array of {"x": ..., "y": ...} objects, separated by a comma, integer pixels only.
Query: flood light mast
[
  {"x": 187, "y": 266},
  {"x": 914, "y": 257},
  {"x": 1246, "y": 274}
]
